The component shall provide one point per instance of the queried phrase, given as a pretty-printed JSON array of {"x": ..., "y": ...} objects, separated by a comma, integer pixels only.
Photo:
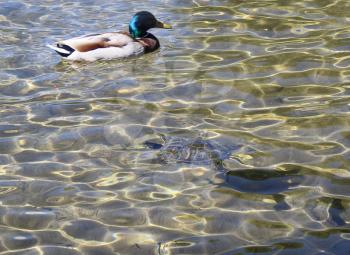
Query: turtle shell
[{"x": 197, "y": 151}]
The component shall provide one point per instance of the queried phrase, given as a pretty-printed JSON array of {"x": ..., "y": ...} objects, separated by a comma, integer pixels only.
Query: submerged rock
[{"x": 262, "y": 181}]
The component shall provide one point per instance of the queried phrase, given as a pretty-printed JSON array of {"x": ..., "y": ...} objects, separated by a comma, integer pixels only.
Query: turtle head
[{"x": 153, "y": 145}]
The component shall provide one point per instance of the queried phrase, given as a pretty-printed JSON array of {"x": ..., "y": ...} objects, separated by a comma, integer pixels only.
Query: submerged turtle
[
  {"x": 200, "y": 151},
  {"x": 197, "y": 151}
]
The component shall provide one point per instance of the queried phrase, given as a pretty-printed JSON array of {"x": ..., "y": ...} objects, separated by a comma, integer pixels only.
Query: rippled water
[{"x": 263, "y": 84}]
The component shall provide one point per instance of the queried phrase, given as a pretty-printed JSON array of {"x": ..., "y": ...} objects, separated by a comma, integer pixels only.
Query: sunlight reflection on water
[{"x": 265, "y": 86}]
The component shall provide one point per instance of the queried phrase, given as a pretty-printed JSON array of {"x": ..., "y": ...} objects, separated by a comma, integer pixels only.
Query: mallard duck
[{"x": 114, "y": 45}]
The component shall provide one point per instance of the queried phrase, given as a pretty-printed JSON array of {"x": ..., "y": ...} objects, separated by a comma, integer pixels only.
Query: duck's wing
[
  {"x": 96, "y": 41},
  {"x": 99, "y": 46},
  {"x": 91, "y": 42}
]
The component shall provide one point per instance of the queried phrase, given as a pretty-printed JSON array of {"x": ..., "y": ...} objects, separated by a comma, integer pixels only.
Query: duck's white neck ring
[{"x": 143, "y": 36}]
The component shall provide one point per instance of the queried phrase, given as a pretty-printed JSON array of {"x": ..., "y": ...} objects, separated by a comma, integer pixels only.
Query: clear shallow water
[{"x": 268, "y": 77}]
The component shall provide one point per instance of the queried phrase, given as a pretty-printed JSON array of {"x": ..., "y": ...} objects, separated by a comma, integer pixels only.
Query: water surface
[{"x": 269, "y": 77}]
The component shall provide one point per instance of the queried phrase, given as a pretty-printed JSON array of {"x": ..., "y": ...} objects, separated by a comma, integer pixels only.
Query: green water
[{"x": 269, "y": 77}]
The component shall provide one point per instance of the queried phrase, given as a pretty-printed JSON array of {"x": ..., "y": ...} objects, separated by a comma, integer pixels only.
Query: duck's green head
[{"x": 142, "y": 21}]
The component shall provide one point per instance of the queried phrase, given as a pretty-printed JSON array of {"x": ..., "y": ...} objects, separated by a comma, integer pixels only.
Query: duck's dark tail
[{"x": 62, "y": 49}]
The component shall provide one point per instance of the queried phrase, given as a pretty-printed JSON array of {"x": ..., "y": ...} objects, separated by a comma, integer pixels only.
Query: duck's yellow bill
[{"x": 163, "y": 25}]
